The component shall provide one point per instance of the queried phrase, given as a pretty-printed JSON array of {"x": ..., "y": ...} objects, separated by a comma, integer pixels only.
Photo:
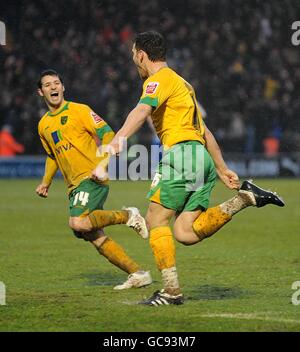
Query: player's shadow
[
  {"x": 103, "y": 278},
  {"x": 209, "y": 292}
]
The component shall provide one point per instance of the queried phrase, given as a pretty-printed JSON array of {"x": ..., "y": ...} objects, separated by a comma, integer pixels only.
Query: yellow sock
[
  {"x": 210, "y": 221},
  {"x": 102, "y": 218},
  {"x": 163, "y": 247},
  {"x": 162, "y": 244},
  {"x": 117, "y": 256}
]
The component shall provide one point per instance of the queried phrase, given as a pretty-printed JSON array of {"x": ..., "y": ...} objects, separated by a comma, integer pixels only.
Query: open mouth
[{"x": 54, "y": 94}]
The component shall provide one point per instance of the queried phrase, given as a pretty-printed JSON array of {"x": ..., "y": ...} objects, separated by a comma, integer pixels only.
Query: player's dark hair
[
  {"x": 48, "y": 72},
  {"x": 153, "y": 43}
]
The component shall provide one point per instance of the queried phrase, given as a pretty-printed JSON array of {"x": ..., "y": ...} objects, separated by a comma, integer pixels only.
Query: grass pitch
[{"x": 238, "y": 280}]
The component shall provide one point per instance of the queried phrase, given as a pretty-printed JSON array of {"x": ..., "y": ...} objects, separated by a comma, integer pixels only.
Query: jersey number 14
[{"x": 82, "y": 197}]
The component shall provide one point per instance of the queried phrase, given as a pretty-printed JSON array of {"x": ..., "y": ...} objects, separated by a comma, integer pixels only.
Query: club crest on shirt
[
  {"x": 151, "y": 87},
  {"x": 64, "y": 120},
  {"x": 95, "y": 117}
]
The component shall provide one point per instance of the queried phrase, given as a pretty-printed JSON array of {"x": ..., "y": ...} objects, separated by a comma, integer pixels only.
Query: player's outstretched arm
[
  {"x": 51, "y": 168},
  {"x": 227, "y": 176},
  {"x": 133, "y": 123},
  {"x": 100, "y": 173}
]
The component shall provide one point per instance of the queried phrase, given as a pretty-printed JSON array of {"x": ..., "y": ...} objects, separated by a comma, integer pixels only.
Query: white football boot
[
  {"x": 137, "y": 279},
  {"x": 137, "y": 222}
]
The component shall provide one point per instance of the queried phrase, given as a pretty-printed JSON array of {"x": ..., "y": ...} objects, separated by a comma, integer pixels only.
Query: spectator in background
[
  {"x": 237, "y": 55},
  {"x": 9, "y": 147},
  {"x": 271, "y": 142},
  {"x": 271, "y": 146}
]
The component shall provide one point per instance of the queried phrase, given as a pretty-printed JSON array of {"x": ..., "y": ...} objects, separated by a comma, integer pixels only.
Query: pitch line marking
[
  {"x": 130, "y": 303},
  {"x": 248, "y": 316},
  {"x": 244, "y": 316}
]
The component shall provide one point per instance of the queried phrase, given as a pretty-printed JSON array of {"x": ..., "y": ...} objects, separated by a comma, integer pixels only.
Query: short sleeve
[
  {"x": 94, "y": 123},
  {"x": 155, "y": 92}
]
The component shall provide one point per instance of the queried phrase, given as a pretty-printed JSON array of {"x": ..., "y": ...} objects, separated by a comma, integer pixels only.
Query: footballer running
[
  {"x": 172, "y": 104},
  {"x": 70, "y": 134}
]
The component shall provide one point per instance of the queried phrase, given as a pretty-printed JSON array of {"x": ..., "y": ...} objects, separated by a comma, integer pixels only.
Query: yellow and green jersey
[
  {"x": 71, "y": 135},
  {"x": 176, "y": 114}
]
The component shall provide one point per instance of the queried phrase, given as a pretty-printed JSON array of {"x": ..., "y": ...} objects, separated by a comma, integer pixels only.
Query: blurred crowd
[{"x": 237, "y": 54}]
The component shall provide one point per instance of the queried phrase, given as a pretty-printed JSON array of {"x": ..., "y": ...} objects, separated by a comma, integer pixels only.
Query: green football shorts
[
  {"x": 185, "y": 178},
  {"x": 88, "y": 196}
]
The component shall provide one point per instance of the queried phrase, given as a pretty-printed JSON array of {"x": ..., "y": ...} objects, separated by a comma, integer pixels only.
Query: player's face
[
  {"x": 138, "y": 59},
  {"x": 52, "y": 90}
]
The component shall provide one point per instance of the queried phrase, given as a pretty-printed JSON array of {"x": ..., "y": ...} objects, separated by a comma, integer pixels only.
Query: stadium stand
[{"x": 237, "y": 54}]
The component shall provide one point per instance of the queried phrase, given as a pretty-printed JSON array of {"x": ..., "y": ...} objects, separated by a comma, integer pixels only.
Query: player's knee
[
  {"x": 80, "y": 224},
  {"x": 156, "y": 220},
  {"x": 153, "y": 222}
]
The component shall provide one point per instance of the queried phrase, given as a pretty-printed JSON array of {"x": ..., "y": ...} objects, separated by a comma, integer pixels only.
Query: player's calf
[
  {"x": 210, "y": 221},
  {"x": 91, "y": 236},
  {"x": 99, "y": 240}
]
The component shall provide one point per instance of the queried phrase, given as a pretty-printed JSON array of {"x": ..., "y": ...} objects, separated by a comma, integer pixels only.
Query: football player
[
  {"x": 70, "y": 134},
  {"x": 187, "y": 172}
]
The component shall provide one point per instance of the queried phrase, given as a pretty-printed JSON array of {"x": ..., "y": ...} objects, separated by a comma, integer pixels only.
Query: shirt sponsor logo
[
  {"x": 151, "y": 87},
  {"x": 64, "y": 148},
  {"x": 95, "y": 117},
  {"x": 56, "y": 136}
]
